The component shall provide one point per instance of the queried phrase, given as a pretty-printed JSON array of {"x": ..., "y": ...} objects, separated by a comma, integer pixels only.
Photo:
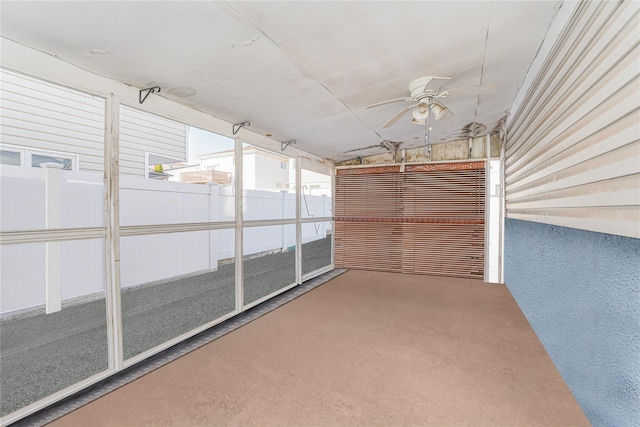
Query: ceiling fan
[{"x": 425, "y": 100}]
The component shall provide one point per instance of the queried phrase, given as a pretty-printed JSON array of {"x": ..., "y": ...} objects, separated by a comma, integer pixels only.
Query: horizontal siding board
[
  {"x": 134, "y": 132},
  {"x": 80, "y": 112},
  {"x": 573, "y": 152},
  {"x": 88, "y": 165},
  {"x": 92, "y": 108},
  {"x": 619, "y": 134},
  {"x": 37, "y": 96},
  {"x": 42, "y": 116},
  {"x": 34, "y": 87},
  {"x": 139, "y": 138},
  {"x": 620, "y": 191},
  {"x": 559, "y": 65},
  {"x": 609, "y": 166},
  {"x": 592, "y": 116},
  {"x": 152, "y": 122},
  {"x": 27, "y": 130},
  {"x": 33, "y": 121},
  {"x": 142, "y": 132},
  {"x": 584, "y": 91},
  {"x": 138, "y": 152},
  {"x": 51, "y": 141}
]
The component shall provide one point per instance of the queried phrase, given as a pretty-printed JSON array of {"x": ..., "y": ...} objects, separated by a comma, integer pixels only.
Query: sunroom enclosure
[
  {"x": 122, "y": 225},
  {"x": 117, "y": 244}
]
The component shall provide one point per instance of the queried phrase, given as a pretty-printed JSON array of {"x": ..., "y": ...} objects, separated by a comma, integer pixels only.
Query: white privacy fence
[{"x": 40, "y": 198}]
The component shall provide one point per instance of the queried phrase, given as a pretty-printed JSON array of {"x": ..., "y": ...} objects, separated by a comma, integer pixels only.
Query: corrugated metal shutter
[
  {"x": 142, "y": 133},
  {"x": 428, "y": 219},
  {"x": 44, "y": 116},
  {"x": 573, "y": 146}
]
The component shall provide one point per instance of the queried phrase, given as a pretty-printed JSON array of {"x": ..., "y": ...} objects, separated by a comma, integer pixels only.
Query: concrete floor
[{"x": 366, "y": 348}]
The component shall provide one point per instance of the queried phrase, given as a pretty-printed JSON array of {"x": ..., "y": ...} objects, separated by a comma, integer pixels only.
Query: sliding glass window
[
  {"x": 177, "y": 219},
  {"x": 316, "y": 229},
  {"x": 170, "y": 241},
  {"x": 269, "y": 194},
  {"x": 53, "y": 329}
]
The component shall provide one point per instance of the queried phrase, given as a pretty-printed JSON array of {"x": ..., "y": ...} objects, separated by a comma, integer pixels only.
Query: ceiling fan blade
[
  {"x": 388, "y": 102},
  {"x": 473, "y": 90},
  {"x": 448, "y": 115},
  {"x": 397, "y": 116},
  {"x": 431, "y": 85}
]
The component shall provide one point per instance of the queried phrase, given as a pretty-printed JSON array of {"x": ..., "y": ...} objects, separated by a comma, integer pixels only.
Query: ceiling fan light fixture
[
  {"x": 438, "y": 111},
  {"x": 420, "y": 113}
]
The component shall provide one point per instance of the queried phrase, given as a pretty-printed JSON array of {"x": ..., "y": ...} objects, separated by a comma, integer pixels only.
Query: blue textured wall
[{"x": 580, "y": 291}]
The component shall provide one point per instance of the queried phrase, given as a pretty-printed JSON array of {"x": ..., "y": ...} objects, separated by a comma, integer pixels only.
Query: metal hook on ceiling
[
  {"x": 284, "y": 145},
  {"x": 238, "y": 126},
  {"x": 148, "y": 91}
]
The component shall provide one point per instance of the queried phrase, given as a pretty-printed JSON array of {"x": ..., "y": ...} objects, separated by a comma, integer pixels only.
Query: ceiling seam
[
  {"x": 484, "y": 60},
  {"x": 302, "y": 69}
]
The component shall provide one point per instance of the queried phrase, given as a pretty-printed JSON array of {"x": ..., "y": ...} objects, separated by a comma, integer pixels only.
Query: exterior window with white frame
[
  {"x": 28, "y": 157},
  {"x": 11, "y": 157}
]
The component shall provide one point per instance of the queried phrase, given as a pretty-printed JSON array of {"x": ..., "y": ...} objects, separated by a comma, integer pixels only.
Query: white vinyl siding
[
  {"x": 44, "y": 116},
  {"x": 573, "y": 146},
  {"x": 142, "y": 132}
]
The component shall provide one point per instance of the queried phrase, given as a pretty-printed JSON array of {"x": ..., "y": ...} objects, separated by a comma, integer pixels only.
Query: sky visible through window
[{"x": 201, "y": 142}]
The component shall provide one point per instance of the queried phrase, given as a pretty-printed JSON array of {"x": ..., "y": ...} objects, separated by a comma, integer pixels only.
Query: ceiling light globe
[
  {"x": 438, "y": 111},
  {"x": 420, "y": 113}
]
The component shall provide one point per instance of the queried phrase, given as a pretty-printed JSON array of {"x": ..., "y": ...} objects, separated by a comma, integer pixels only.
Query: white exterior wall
[
  {"x": 223, "y": 163},
  {"x": 269, "y": 172},
  {"x": 40, "y": 115},
  {"x": 260, "y": 171},
  {"x": 573, "y": 141}
]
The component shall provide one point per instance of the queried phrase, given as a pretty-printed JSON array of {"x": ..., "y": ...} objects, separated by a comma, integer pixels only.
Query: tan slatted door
[
  {"x": 447, "y": 207},
  {"x": 428, "y": 219},
  {"x": 369, "y": 226}
]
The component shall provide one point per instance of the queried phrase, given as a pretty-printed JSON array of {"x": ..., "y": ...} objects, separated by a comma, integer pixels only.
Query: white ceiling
[{"x": 300, "y": 70}]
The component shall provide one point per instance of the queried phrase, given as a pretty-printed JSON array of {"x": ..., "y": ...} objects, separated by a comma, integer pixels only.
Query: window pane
[
  {"x": 40, "y": 353},
  {"x": 268, "y": 184},
  {"x": 269, "y": 260},
  {"x": 316, "y": 236},
  {"x": 316, "y": 246},
  {"x": 171, "y": 196},
  {"x": 40, "y": 160},
  {"x": 173, "y": 283},
  {"x": 316, "y": 194},
  {"x": 11, "y": 158}
]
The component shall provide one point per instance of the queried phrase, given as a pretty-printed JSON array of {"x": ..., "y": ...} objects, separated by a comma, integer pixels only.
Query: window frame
[{"x": 26, "y": 156}]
